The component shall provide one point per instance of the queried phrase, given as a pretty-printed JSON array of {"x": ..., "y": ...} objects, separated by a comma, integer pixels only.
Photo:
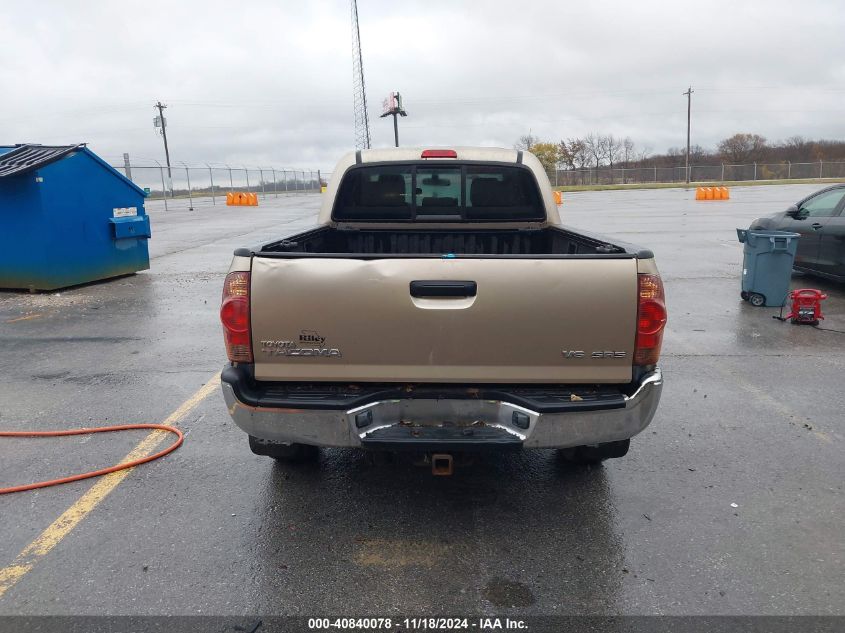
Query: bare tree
[
  {"x": 628, "y": 150},
  {"x": 742, "y": 148},
  {"x": 526, "y": 142},
  {"x": 612, "y": 148},
  {"x": 595, "y": 147},
  {"x": 573, "y": 153},
  {"x": 566, "y": 157},
  {"x": 697, "y": 154},
  {"x": 797, "y": 148},
  {"x": 675, "y": 156}
]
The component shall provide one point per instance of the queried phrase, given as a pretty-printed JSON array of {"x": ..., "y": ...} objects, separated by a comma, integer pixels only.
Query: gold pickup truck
[{"x": 439, "y": 306}]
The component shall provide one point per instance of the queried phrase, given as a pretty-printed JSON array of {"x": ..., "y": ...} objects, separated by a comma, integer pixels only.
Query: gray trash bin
[{"x": 767, "y": 265}]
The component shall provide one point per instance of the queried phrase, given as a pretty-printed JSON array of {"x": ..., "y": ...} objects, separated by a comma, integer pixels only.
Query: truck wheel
[
  {"x": 583, "y": 455},
  {"x": 283, "y": 452},
  {"x": 756, "y": 299}
]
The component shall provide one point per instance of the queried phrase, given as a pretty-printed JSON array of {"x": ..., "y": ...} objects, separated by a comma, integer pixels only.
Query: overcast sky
[{"x": 270, "y": 82}]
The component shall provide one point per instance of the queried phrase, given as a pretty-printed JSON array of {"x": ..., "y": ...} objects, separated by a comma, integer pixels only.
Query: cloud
[{"x": 270, "y": 83}]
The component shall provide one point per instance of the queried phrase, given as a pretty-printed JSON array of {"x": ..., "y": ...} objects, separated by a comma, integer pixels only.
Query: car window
[
  {"x": 438, "y": 190},
  {"x": 425, "y": 192},
  {"x": 823, "y": 205}
]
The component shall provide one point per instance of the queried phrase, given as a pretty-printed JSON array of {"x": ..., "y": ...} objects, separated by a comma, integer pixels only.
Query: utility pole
[
  {"x": 688, "y": 93},
  {"x": 393, "y": 107},
  {"x": 163, "y": 124}
]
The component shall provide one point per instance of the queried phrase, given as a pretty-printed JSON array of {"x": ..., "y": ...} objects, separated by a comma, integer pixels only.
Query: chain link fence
[
  {"x": 212, "y": 181},
  {"x": 698, "y": 173}
]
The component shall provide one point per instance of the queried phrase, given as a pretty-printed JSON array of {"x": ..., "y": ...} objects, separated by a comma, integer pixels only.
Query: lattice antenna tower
[{"x": 359, "y": 97}]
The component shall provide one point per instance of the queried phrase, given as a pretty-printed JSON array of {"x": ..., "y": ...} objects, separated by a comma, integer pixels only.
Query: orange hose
[{"x": 102, "y": 471}]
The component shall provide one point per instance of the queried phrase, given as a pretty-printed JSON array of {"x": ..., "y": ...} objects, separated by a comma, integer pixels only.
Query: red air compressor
[{"x": 806, "y": 306}]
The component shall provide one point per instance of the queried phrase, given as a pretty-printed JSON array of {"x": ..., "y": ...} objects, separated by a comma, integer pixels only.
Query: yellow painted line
[
  {"x": 83, "y": 506},
  {"x": 394, "y": 553},
  {"x": 25, "y": 318}
]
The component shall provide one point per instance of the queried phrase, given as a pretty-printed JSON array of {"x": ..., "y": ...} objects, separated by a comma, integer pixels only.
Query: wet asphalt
[{"x": 751, "y": 415}]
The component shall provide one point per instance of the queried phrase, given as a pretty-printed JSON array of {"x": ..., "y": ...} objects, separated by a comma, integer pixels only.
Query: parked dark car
[{"x": 820, "y": 221}]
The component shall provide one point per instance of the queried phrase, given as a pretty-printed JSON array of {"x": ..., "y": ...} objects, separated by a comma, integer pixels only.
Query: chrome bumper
[{"x": 544, "y": 430}]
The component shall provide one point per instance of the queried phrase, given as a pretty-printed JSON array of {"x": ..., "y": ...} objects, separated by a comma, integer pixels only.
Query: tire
[
  {"x": 744, "y": 295},
  {"x": 283, "y": 452},
  {"x": 585, "y": 455},
  {"x": 756, "y": 299}
]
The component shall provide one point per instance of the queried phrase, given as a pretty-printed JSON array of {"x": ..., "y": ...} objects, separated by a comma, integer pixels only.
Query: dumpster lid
[{"x": 29, "y": 156}]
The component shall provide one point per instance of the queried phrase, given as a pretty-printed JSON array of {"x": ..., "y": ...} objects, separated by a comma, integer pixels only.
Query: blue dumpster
[
  {"x": 67, "y": 218},
  {"x": 767, "y": 265}
]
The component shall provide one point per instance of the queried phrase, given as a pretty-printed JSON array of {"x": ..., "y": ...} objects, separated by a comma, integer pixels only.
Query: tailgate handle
[{"x": 438, "y": 288}]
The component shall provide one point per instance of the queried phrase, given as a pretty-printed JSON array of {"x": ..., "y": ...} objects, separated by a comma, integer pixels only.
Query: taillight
[
  {"x": 651, "y": 319},
  {"x": 234, "y": 314},
  {"x": 439, "y": 153}
]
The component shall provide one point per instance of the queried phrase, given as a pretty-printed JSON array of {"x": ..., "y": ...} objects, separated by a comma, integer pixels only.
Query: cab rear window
[{"x": 436, "y": 193}]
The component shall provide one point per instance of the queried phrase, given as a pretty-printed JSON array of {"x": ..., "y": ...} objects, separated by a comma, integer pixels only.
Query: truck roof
[{"x": 464, "y": 154}]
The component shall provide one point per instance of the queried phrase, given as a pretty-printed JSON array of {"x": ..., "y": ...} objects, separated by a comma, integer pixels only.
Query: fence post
[
  {"x": 211, "y": 179},
  {"x": 261, "y": 178},
  {"x": 821, "y": 168},
  {"x": 190, "y": 194},
  {"x": 319, "y": 181},
  {"x": 285, "y": 176},
  {"x": 655, "y": 173},
  {"x": 295, "y": 186},
  {"x": 723, "y": 172},
  {"x": 755, "y": 170},
  {"x": 275, "y": 190},
  {"x": 246, "y": 171},
  {"x": 788, "y": 170}
]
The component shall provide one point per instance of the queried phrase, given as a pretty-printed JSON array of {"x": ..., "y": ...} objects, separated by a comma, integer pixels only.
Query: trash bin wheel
[
  {"x": 756, "y": 299},
  {"x": 283, "y": 452}
]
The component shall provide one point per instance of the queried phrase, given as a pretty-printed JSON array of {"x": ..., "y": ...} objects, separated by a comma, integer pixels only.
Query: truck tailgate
[{"x": 545, "y": 320}]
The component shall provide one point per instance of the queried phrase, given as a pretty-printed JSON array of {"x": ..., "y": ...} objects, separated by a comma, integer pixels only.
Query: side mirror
[{"x": 794, "y": 212}]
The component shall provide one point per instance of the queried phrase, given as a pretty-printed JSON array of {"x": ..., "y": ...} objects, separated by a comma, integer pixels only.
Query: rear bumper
[{"x": 428, "y": 423}]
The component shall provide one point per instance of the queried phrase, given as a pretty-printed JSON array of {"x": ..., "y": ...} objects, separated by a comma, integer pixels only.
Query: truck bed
[{"x": 331, "y": 241}]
